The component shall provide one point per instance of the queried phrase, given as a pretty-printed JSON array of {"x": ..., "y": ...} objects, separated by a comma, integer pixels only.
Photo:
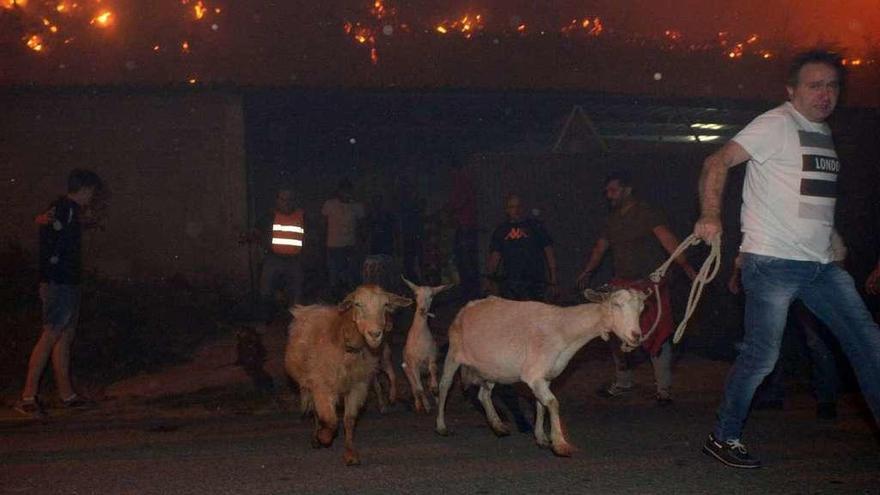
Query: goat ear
[
  {"x": 595, "y": 296},
  {"x": 346, "y": 303},
  {"x": 440, "y": 288},
  {"x": 409, "y": 284},
  {"x": 398, "y": 301}
]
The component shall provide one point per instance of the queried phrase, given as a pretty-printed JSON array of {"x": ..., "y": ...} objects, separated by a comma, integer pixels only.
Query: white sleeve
[{"x": 764, "y": 137}]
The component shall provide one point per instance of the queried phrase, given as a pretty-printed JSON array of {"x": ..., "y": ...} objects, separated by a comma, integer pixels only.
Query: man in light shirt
[
  {"x": 342, "y": 213},
  {"x": 787, "y": 218}
]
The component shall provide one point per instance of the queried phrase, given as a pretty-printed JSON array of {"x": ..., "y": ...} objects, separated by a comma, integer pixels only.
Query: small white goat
[
  {"x": 420, "y": 352},
  {"x": 496, "y": 340}
]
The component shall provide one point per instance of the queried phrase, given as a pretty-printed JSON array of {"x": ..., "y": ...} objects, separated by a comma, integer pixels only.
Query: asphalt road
[{"x": 230, "y": 442}]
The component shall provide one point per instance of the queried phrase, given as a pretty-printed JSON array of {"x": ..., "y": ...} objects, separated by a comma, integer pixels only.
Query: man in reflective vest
[{"x": 282, "y": 269}]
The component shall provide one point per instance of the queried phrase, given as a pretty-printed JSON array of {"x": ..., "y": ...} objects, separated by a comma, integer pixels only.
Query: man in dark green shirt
[{"x": 640, "y": 240}]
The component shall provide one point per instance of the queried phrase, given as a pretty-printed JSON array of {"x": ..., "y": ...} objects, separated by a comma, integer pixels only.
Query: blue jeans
[
  {"x": 770, "y": 285},
  {"x": 824, "y": 376}
]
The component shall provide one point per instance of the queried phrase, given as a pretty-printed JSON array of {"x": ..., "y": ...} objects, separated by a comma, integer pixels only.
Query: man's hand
[
  {"x": 733, "y": 284},
  {"x": 872, "y": 284},
  {"x": 708, "y": 227},
  {"x": 46, "y": 217},
  {"x": 583, "y": 279}
]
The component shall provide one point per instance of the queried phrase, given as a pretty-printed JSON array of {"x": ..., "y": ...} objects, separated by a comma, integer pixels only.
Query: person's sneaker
[
  {"x": 826, "y": 411},
  {"x": 77, "y": 402},
  {"x": 614, "y": 390},
  {"x": 730, "y": 452},
  {"x": 663, "y": 400},
  {"x": 30, "y": 407}
]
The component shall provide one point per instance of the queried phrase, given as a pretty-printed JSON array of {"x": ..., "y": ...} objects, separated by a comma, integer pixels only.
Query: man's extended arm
[
  {"x": 711, "y": 187},
  {"x": 595, "y": 258},
  {"x": 670, "y": 243}
]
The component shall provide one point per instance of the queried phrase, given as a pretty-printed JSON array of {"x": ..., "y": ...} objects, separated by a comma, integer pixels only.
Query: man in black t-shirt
[
  {"x": 60, "y": 278},
  {"x": 521, "y": 255},
  {"x": 522, "y": 260},
  {"x": 383, "y": 235}
]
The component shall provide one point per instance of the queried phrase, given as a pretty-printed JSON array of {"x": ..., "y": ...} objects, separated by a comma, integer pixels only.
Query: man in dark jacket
[{"x": 60, "y": 279}]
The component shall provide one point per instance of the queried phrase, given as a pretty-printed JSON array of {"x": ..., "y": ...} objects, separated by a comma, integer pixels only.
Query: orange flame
[
  {"x": 104, "y": 19},
  {"x": 9, "y": 4},
  {"x": 200, "y": 10},
  {"x": 467, "y": 25},
  {"x": 592, "y": 27},
  {"x": 35, "y": 43}
]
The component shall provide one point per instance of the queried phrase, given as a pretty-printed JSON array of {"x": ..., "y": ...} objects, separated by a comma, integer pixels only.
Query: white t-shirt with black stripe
[{"x": 790, "y": 186}]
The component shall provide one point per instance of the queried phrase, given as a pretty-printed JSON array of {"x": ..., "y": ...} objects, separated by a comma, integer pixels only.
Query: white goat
[
  {"x": 420, "y": 351},
  {"x": 500, "y": 341},
  {"x": 333, "y": 352}
]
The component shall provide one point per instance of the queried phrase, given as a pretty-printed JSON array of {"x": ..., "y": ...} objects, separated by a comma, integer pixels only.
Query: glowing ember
[
  {"x": 200, "y": 10},
  {"x": 185, "y": 46},
  {"x": 592, "y": 27},
  {"x": 467, "y": 25},
  {"x": 35, "y": 43},
  {"x": 672, "y": 34},
  {"x": 104, "y": 19},
  {"x": 380, "y": 11}
]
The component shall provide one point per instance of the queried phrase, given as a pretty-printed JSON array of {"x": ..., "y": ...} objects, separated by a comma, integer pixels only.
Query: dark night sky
[{"x": 300, "y": 42}]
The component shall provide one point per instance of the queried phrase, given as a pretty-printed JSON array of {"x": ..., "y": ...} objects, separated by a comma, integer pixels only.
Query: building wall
[{"x": 174, "y": 163}]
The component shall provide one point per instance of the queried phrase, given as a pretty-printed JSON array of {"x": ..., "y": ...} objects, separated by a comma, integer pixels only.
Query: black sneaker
[
  {"x": 731, "y": 452},
  {"x": 826, "y": 411},
  {"x": 663, "y": 400},
  {"x": 612, "y": 391},
  {"x": 78, "y": 402}
]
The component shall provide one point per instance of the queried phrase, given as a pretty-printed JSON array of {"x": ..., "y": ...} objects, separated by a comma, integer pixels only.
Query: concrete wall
[{"x": 174, "y": 163}]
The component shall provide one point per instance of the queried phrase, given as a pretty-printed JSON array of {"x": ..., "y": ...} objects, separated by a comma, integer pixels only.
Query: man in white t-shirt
[
  {"x": 787, "y": 219},
  {"x": 342, "y": 214}
]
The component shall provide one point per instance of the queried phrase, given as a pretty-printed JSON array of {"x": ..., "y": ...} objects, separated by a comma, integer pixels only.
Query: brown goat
[{"x": 334, "y": 352}]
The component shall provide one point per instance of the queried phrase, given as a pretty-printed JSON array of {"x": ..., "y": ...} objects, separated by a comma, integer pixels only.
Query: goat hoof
[
  {"x": 500, "y": 430},
  {"x": 325, "y": 437},
  {"x": 443, "y": 432},
  {"x": 316, "y": 444},
  {"x": 543, "y": 443},
  {"x": 564, "y": 450},
  {"x": 351, "y": 458}
]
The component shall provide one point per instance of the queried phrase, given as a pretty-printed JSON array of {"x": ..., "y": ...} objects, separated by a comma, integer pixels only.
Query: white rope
[{"x": 707, "y": 272}]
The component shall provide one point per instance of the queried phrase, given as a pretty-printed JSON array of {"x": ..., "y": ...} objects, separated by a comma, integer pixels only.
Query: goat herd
[{"x": 335, "y": 352}]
